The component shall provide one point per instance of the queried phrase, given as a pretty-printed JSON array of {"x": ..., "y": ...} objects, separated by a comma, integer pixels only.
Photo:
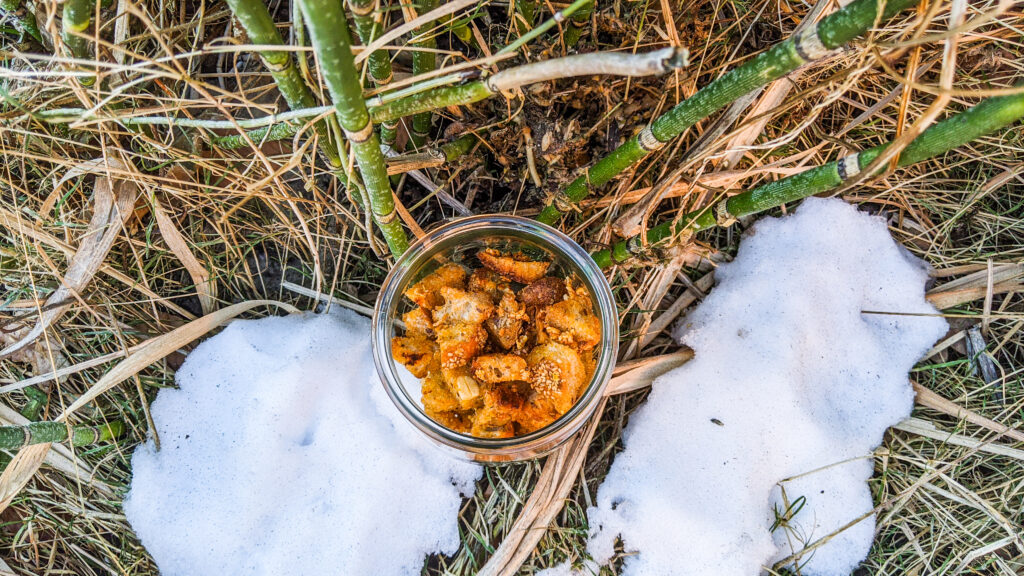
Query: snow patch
[
  {"x": 792, "y": 387},
  {"x": 281, "y": 454}
]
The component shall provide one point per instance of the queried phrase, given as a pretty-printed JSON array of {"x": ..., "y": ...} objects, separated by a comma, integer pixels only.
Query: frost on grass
[
  {"x": 281, "y": 454},
  {"x": 792, "y": 387}
]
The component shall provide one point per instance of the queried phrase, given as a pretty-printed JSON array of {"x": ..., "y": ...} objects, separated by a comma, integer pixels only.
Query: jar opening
[{"x": 459, "y": 242}]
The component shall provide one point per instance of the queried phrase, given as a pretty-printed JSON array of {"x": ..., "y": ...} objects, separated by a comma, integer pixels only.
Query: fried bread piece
[
  {"x": 506, "y": 325},
  {"x": 437, "y": 397},
  {"x": 458, "y": 324},
  {"x": 458, "y": 343},
  {"x": 513, "y": 266},
  {"x": 542, "y": 293},
  {"x": 533, "y": 416},
  {"x": 571, "y": 322},
  {"x": 558, "y": 376},
  {"x": 461, "y": 307},
  {"x": 495, "y": 368},
  {"x": 418, "y": 320},
  {"x": 463, "y": 386},
  {"x": 426, "y": 292},
  {"x": 494, "y": 419},
  {"x": 416, "y": 351},
  {"x": 487, "y": 282}
]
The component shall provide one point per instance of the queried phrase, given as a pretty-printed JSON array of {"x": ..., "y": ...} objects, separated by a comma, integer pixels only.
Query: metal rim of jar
[{"x": 507, "y": 449}]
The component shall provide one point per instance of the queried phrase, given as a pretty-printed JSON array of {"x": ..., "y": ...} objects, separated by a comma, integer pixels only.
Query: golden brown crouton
[
  {"x": 462, "y": 384},
  {"x": 542, "y": 293},
  {"x": 488, "y": 282},
  {"x": 507, "y": 323},
  {"x": 437, "y": 397},
  {"x": 416, "y": 351},
  {"x": 514, "y": 267},
  {"x": 462, "y": 307},
  {"x": 459, "y": 343},
  {"x": 494, "y": 368},
  {"x": 558, "y": 375},
  {"x": 425, "y": 293},
  {"x": 418, "y": 320},
  {"x": 533, "y": 416},
  {"x": 571, "y": 322},
  {"x": 494, "y": 418}
]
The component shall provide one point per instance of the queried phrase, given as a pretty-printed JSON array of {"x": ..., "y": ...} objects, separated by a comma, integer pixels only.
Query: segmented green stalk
[
  {"x": 456, "y": 148},
  {"x": 812, "y": 43},
  {"x": 75, "y": 20},
  {"x": 259, "y": 25},
  {"x": 369, "y": 27},
  {"x": 576, "y": 24},
  {"x": 22, "y": 19},
  {"x": 15, "y": 437},
  {"x": 328, "y": 29},
  {"x": 36, "y": 402},
  {"x": 953, "y": 132},
  {"x": 423, "y": 61},
  {"x": 429, "y": 100}
]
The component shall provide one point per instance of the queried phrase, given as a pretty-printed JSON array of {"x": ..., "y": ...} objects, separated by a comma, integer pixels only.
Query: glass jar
[{"x": 459, "y": 242}]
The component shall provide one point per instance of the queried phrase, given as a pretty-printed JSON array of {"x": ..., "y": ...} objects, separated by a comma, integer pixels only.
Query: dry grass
[{"x": 253, "y": 218}]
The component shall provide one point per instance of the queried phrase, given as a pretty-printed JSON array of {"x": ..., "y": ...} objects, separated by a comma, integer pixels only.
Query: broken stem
[
  {"x": 15, "y": 437},
  {"x": 75, "y": 20}
]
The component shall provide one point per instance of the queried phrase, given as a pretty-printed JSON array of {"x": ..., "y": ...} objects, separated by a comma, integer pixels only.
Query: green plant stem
[
  {"x": 75, "y": 20},
  {"x": 574, "y": 30},
  {"x": 423, "y": 61},
  {"x": 458, "y": 147},
  {"x": 328, "y": 29},
  {"x": 369, "y": 27},
  {"x": 36, "y": 402},
  {"x": 14, "y": 437},
  {"x": 22, "y": 19},
  {"x": 953, "y": 132},
  {"x": 390, "y": 111},
  {"x": 833, "y": 31},
  {"x": 260, "y": 27}
]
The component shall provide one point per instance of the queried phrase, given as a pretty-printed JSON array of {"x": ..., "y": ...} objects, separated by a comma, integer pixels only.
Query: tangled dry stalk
[{"x": 207, "y": 233}]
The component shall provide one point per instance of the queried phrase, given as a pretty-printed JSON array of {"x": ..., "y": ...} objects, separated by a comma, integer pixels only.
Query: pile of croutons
[{"x": 502, "y": 350}]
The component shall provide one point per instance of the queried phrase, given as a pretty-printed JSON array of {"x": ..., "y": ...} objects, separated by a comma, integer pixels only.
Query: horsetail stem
[
  {"x": 423, "y": 61},
  {"x": 75, "y": 20},
  {"x": 15, "y": 437},
  {"x": 656, "y": 62},
  {"x": 810, "y": 44},
  {"x": 988, "y": 116},
  {"x": 259, "y": 26},
  {"x": 379, "y": 63},
  {"x": 328, "y": 29}
]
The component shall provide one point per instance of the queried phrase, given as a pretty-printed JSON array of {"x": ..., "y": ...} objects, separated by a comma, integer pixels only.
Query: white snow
[
  {"x": 791, "y": 378},
  {"x": 281, "y": 454}
]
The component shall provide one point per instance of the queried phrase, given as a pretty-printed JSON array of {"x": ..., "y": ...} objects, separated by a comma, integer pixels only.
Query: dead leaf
[
  {"x": 111, "y": 205},
  {"x": 206, "y": 289}
]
